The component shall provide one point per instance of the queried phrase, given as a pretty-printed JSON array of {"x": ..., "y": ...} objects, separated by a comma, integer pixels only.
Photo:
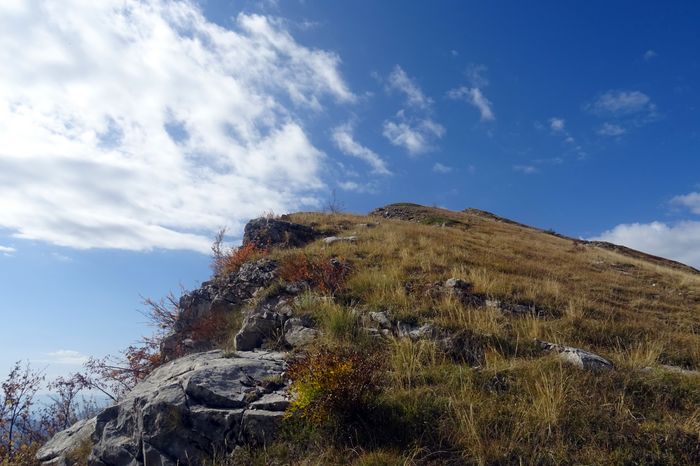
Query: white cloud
[
  {"x": 413, "y": 127},
  {"x": 475, "y": 97},
  {"x": 67, "y": 357},
  {"x": 611, "y": 129},
  {"x": 7, "y": 250},
  {"x": 415, "y": 137},
  {"x": 680, "y": 241},
  {"x": 619, "y": 103},
  {"x": 440, "y": 168},
  {"x": 399, "y": 81},
  {"x": 526, "y": 169},
  {"x": 353, "y": 186},
  {"x": 476, "y": 75},
  {"x": 556, "y": 124},
  {"x": 650, "y": 54},
  {"x": 343, "y": 139},
  {"x": 140, "y": 124},
  {"x": 690, "y": 201}
]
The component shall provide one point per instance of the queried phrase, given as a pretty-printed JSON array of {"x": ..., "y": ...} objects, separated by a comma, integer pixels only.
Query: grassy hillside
[{"x": 502, "y": 400}]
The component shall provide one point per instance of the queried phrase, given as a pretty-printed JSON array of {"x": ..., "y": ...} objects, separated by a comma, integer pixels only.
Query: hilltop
[{"x": 416, "y": 335}]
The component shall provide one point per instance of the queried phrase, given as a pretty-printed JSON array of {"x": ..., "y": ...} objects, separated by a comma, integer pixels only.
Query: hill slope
[
  {"x": 508, "y": 403},
  {"x": 418, "y": 335}
]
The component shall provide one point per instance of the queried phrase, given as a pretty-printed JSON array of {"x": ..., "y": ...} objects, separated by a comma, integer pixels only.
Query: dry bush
[
  {"x": 231, "y": 261},
  {"x": 335, "y": 384},
  {"x": 228, "y": 260},
  {"x": 327, "y": 276}
]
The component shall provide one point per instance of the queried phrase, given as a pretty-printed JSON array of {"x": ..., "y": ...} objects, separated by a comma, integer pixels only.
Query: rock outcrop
[
  {"x": 266, "y": 233},
  {"x": 184, "y": 412},
  {"x": 576, "y": 356},
  {"x": 221, "y": 295}
]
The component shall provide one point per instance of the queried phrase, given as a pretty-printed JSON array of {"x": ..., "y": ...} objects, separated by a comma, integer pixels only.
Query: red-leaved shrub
[{"x": 325, "y": 275}]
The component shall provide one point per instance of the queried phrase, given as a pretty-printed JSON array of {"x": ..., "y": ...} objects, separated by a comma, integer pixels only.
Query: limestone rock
[
  {"x": 297, "y": 333},
  {"x": 183, "y": 412},
  {"x": 265, "y": 233},
  {"x": 381, "y": 318},
  {"x": 340, "y": 239},
  {"x": 59, "y": 449},
  {"x": 257, "y": 328},
  {"x": 580, "y": 358}
]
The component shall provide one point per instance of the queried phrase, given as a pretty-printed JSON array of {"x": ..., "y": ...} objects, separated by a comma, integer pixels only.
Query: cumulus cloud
[
  {"x": 691, "y": 201},
  {"x": 416, "y": 137},
  {"x": 680, "y": 241},
  {"x": 556, "y": 124},
  {"x": 476, "y": 98},
  {"x": 440, "y": 168},
  {"x": 343, "y": 138},
  {"x": 650, "y": 54},
  {"x": 611, "y": 129},
  {"x": 619, "y": 103},
  {"x": 141, "y": 124},
  {"x": 399, "y": 81}
]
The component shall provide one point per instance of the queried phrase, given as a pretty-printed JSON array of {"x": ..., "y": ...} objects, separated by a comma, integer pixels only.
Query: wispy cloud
[
  {"x": 691, "y": 201},
  {"x": 82, "y": 166},
  {"x": 611, "y": 129},
  {"x": 442, "y": 169},
  {"x": 620, "y": 103},
  {"x": 415, "y": 136},
  {"x": 526, "y": 169},
  {"x": 67, "y": 357},
  {"x": 412, "y": 128},
  {"x": 650, "y": 54},
  {"x": 7, "y": 250},
  {"x": 475, "y": 97},
  {"x": 399, "y": 81},
  {"x": 344, "y": 140},
  {"x": 473, "y": 93},
  {"x": 356, "y": 187}
]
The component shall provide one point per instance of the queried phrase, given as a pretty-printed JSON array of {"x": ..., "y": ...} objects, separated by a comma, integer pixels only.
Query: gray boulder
[
  {"x": 297, "y": 333},
  {"x": 257, "y": 328},
  {"x": 183, "y": 413},
  {"x": 266, "y": 233},
  {"x": 63, "y": 447},
  {"x": 575, "y": 356},
  {"x": 340, "y": 239}
]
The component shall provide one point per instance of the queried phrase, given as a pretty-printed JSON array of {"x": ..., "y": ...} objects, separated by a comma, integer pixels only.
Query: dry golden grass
[{"x": 519, "y": 407}]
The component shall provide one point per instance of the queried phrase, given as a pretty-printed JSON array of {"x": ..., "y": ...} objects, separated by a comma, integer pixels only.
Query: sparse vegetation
[{"x": 518, "y": 406}]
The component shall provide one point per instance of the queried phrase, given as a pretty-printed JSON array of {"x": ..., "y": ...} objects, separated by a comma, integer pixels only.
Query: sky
[{"x": 132, "y": 131}]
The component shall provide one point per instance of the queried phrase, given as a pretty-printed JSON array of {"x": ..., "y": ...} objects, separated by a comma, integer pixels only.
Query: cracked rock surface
[{"x": 184, "y": 412}]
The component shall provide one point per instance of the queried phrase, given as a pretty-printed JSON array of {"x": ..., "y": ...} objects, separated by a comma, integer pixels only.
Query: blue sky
[{"x": 131, "y": 131}]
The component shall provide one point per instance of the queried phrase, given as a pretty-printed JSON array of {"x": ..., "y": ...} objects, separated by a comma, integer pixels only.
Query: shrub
[
  {"x": 325, "y": 275},
  {"x": 335, "y": 385},
  {"x": 228, "y": 260}
]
